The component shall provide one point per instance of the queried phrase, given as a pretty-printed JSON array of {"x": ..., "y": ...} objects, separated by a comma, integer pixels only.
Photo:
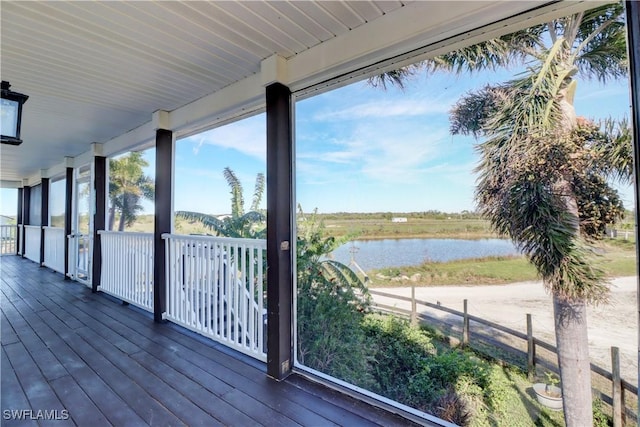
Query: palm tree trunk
[
  {"x": 572, "y": 341},
  {"x": 123, "y": 210},
  {"x": 573, "y": 359},
  {"x": 112, "y": 216},
  {"x": 121, "y": 223}
]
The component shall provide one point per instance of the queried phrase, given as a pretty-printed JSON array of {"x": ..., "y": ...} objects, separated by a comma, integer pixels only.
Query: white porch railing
[
  {"x": 54, "y": 248},
  {"x": 216, "y": 288},
  {"x": 8, "y": 239},
  {"x": 127, "y": 267},
  {"x": 32, "y": 242}
]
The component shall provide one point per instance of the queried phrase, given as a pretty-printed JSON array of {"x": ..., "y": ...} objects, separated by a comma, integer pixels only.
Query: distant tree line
[{"x": 429, "y": 214}]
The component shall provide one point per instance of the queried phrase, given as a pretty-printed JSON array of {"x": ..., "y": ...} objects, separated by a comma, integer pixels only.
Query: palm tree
[
  {"x": 240, "y": 224},
  {"x": 128, "y": 185},
  {"x": 543, "y": 171}
]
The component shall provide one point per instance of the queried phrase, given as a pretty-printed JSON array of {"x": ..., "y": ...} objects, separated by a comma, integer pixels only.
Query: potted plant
[{"x": 548, "y": 393}]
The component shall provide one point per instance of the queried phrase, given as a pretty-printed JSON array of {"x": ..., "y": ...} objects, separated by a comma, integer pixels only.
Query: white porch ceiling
[{"x": 96, "y": 71}]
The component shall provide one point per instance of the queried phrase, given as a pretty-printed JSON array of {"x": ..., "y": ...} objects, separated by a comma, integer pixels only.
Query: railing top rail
[
  {"x": 32, "y": 226},
  {"x": 47, "y": 227},
  {"x": 261, "y": 243},
  {"x": 125, "y": 233},
  {"x": 8, "y": 225}
]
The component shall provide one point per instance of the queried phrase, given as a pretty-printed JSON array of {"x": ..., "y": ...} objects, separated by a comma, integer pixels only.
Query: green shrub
[
  {"x": 453, "y": 384},
  {"x": 600, "y": 418}
]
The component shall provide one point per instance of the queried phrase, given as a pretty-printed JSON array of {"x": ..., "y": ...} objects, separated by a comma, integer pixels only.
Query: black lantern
[{"x": 11, "y": 114}]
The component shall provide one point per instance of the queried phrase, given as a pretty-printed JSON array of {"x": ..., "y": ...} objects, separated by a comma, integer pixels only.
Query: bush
[{"x": 453, "y": 384}]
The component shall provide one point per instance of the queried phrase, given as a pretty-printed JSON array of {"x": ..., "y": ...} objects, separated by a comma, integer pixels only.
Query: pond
[{"x": 372, "y": 254}]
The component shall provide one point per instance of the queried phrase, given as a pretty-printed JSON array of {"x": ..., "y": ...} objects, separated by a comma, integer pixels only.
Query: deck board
[{"x": 64, "y": 347}]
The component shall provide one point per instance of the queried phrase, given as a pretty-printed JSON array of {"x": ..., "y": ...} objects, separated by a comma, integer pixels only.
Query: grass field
[{"x": 381, "y": 228}]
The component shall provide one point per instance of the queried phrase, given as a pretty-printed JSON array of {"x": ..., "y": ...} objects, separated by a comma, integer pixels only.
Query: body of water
[{"x": 372, "y": 254}]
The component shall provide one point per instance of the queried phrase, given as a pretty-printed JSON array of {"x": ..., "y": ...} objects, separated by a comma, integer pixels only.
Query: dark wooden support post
[
  {"x": 100, "y": 180},
  {"x": 68, "y": 219},
  {"x": 280, "y": 223},
  {"x": 26, "y": 216},
  {"x": 633, "y": 43},
  {"x": 465, "y": 325},
  {"x": 163, "y": 217},
  {"x": 44, "y": 215},
  {"x": 616, "y": 388},
  {"x": 531, "y": 349},
  {"x": 19, "y": 221},
  {"x": 414, "y": 311}
]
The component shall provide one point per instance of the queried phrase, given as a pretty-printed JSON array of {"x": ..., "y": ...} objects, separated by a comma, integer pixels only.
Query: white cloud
[
  {"x": 385, "y": 154},
  {"x": 387, "y": 109},
  {"x": 246, "y": 136}
]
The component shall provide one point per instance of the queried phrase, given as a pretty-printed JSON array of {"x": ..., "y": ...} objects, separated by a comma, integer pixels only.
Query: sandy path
[{"x": 615, "y": 324}]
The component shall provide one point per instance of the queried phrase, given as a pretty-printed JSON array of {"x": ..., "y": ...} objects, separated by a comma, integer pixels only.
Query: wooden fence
[{"x": 619, "y": 387}]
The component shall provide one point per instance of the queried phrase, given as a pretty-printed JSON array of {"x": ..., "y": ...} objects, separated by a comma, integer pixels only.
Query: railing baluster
[
  {"x": 199, "y": 293},
  {"x": 216, "y": 290}
]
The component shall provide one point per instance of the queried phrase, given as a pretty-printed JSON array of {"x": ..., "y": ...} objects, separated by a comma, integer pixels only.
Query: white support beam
[
  {"x": 134, "y": 139},
  {"x": 10, "y": 184},
  {"x": 237, "y": 100},
  {"x": 274, "y": 69},
  {"x": 160, "y": 120}
]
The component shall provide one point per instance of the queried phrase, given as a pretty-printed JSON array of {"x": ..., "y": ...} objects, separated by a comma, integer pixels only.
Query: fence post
[
  {"x": 616, "y": 387},
  {"x": 414, "y": 314},
  {"x": 465, "y": 326},
  {"x": 531, "y": 349}
]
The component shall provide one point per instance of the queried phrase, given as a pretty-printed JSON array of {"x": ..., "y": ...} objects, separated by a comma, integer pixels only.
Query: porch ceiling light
[{"x": 11, "y": 114}]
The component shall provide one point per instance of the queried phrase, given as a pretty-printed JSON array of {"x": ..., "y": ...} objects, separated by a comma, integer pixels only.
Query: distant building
[{"x": 399, "y": 219}]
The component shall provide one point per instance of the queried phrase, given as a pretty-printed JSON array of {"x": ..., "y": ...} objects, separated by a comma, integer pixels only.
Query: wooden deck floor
[{"x": 89, "y": 359}]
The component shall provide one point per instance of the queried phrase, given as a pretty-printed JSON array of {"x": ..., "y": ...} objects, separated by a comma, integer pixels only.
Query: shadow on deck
[{"x": 84, "y": 359}]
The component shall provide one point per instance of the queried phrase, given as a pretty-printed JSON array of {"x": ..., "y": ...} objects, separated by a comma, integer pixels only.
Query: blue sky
[
  {"x": 360, "y": 149},
  {"x": 366, "y": 149}
]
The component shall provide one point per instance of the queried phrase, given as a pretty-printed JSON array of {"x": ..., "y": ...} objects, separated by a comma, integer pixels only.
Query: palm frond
[
  {"x": 209, "y": 221},
  {"x": 491, "y": 54},
  {"x": 602, "y": 49},
  {"x": 470, "y": 113},
  {"x": 614, "y": 149},
  {"x": 396, "y": 77},
  {"x": 258, "y": 192},
  {"x": 237, "y": 198}
]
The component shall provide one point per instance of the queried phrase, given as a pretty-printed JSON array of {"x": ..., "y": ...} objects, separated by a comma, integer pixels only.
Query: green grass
[
  {"x": 381, "y": 228},
  {"x": 616, "y": 261},
  {"x": 492, "y": 270}
]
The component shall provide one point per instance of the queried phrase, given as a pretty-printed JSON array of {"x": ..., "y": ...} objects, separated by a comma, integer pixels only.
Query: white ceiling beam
[
  {"x": 237, "y": 100},
  {"x": 10, "y": 184},
  {"x": 417, "y": 25}
]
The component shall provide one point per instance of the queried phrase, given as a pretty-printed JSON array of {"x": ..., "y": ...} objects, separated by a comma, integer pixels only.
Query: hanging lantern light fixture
[{"x": 11, "y": 114}]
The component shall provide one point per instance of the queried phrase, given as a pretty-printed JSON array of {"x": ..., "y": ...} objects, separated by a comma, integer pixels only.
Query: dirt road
[{"x": 615, "y": 324}]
